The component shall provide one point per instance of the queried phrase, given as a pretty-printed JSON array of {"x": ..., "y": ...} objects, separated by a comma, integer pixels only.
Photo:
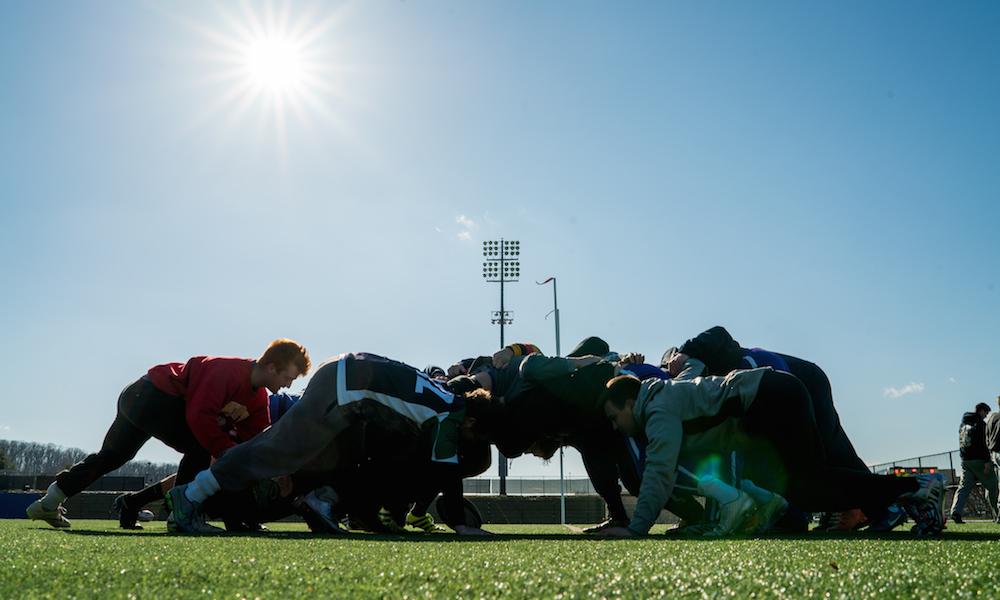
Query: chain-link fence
[
  {"x": 948, "y": 464},
  {"x": 528, "y": 486}
]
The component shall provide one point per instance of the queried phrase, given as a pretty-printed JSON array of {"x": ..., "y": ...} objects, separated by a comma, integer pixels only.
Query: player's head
[
  {"x": 619, "y": 404},
  {"x": 482, "y": 416},
  {"x": 983, "y": 409},
  {"x": 282, "y": 362}
]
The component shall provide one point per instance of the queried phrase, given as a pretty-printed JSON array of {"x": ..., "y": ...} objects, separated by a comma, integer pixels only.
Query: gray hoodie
[{"x": 692, "y": 417}]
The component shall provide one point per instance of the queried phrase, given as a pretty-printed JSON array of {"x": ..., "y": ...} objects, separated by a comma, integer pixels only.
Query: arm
[
  {"x": 202, "y": 412},
  {"x": 258, "y": 420},
  {"x": 664, "y": 432},
  {"x": 692, "y": 368},
  {"x": 536, "y": 368}
]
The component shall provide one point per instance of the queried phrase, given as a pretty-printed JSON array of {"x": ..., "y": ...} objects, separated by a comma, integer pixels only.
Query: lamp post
[
  {"x": 562, "y": 480},
  {"x": 502, "y": 265}
]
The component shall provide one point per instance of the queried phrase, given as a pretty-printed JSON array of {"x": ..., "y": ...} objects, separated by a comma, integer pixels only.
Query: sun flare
[
  {"x": 274, "y": 68},
  {"x": 275, "y": 64}
]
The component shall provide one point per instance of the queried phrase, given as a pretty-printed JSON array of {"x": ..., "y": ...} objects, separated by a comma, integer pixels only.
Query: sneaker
[
  {"x": 424, "y": 522},
  {"x": 606, "y": 524},
  {"x": 770, "y": 513},
  {"x": 386, "y": 519},
  {"x": 826, "y": 521},
  {"x": 316, "y": 508},
  {"x": 187, "y": 515},
  {"x": 849, "y": 520},
  {"x": 127, "y": 516},
  {"x": 56, "y": 518},
  {"x": 893, "y": 518},
  {"x": 733, "y": 515},
  {"x": 957, "y": 519},
  {"x": 926, "y": 505}
]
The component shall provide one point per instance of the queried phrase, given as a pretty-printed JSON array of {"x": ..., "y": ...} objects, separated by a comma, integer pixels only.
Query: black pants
[
  {"x": 840, "y": 451},
  {"x": 143, "y": 412},
  {"x": 785, "y": 453},
  {"x": 607, "y": 460}
]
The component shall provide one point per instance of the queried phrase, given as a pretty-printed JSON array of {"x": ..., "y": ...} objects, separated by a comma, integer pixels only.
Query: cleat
[
  {"x": 894, "y": 517},
  {"x": 826, "y": 521},
  {"x": 127, "y": 516},
  {"x": 316, "y": 508},
  {"x": 733, "y": 515},
  {"x": 56, "y": 518},
  {"x": 849, "y": 520},
  {"x": 187, "y": 516},
  {"x": 424, "y": 522},
  {"x": 957, "y": 519},
  {"x": 769, "y": 513},
  {"x": 387, "y": 521},
  {"x": 926, "y": 505},
  {"x": 606, "y": 524}
]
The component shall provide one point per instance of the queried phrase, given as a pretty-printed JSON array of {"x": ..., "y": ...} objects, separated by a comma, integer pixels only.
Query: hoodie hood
[{"x": 970, "y": 418}]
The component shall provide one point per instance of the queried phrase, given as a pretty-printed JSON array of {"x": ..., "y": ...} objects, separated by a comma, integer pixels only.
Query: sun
[
  {"x": 273, "y": 68},
  {"x": 275, "y": 64}
]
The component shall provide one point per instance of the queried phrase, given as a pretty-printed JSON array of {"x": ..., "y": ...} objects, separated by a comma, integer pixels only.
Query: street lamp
[
  {"x": 502, "y": 264},
  {"x": 562, "y": 480}
]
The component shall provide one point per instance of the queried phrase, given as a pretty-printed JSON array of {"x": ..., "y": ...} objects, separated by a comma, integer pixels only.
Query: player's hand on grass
[
  {"x": 615, "y": 532},
  {"x": 466, "y": 530}
]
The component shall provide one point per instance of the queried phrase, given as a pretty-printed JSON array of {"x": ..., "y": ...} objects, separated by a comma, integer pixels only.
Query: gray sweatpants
[
  {"x": 973, "y": 471},
  {"x": 303, "y": 437}
]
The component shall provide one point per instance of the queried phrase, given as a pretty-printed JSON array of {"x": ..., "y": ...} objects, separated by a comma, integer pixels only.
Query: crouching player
[
  {"x": 767, "y": 414},
  {"x": 180, "y": 404},
  {"x": 345, "y": 395}
]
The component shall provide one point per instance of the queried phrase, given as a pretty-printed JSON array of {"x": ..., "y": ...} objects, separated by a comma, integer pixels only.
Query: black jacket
[
  {"x": 717, "y": 349},
  {"x": 972, "y": 438}
]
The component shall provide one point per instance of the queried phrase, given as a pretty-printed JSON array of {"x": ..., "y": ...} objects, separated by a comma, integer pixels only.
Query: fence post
[
  {"x": 951, "y": 463},
  {"x": 920, "y": 463}
]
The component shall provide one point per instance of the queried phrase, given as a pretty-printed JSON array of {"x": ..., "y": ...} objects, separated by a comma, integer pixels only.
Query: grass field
[{"x": 96, "y": 559}]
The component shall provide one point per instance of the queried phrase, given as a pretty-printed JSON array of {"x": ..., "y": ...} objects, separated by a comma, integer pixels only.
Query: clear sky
[{"x": 820, "y": 179}]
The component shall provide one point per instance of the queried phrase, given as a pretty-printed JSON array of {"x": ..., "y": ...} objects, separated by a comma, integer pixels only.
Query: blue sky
[{"x": 821, "y": 179}]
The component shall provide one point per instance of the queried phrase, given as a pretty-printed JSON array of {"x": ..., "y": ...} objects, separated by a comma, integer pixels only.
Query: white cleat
[
  {"x": 56, "y": 518},
  {"x": 733, "y": 515}
]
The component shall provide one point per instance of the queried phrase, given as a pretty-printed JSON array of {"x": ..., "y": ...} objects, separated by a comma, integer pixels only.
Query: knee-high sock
[
  {"x": 203, "y": 487},
  {"x": 53, "y": 497}
]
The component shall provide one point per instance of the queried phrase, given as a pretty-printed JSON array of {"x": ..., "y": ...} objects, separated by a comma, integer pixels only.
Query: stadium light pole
[
  {"x": 562, "y": 479},
  {"x": 502, "y": 265}
]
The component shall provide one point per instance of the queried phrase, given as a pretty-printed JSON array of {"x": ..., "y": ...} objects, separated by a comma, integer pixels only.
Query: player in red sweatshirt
[{"x": 190, "y": 407}]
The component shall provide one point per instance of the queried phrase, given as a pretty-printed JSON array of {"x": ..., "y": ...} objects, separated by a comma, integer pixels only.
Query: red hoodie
[{"x": 207, "y": 383}]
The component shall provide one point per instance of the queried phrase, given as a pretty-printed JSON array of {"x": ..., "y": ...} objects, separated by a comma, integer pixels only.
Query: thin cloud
[
  {"x": 467, "y": 225},
  {"x": 910, "y": 388},
  {"x": 952, "y": 380}
]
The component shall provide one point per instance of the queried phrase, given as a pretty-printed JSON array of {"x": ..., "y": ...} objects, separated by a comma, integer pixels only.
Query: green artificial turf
[{"x": 95, "y": 559}]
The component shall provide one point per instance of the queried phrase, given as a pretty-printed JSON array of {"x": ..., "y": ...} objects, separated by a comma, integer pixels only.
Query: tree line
[{"x": 33, "y": 458}]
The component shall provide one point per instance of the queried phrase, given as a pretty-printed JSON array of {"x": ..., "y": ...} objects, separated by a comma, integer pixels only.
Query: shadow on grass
[{"x": 893, "y": 536}]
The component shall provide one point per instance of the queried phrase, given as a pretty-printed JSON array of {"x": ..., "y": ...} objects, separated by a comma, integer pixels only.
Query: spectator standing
[
  {"x": 993, "y": 444},
  {"x": 977, "y": 464}
]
